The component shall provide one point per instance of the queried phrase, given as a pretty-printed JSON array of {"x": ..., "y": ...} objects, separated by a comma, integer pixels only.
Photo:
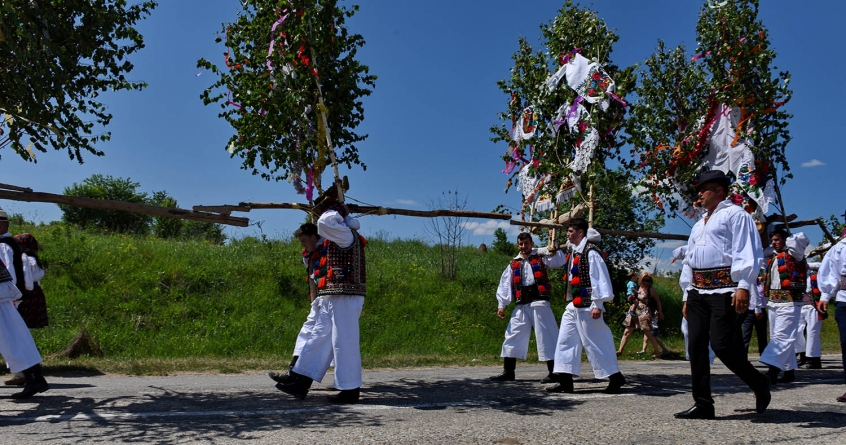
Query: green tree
[
  {"x": 198, "y": 230},
  {"x": 164, "y": 227},
  {"x": 58, "y": 56},
  {"x": 501, "y": 243},
  {"x": 109, "y": 188},
  {"x": 284, "y": 62}
]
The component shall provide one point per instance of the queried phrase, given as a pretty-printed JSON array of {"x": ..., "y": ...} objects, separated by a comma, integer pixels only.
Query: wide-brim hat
[
  {"x": 3, "y": 215},
  {"x": 712, "y": 176}
]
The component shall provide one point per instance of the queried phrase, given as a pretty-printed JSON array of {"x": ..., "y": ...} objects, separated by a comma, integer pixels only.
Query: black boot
[
  {"x": 298, "y": 388},
  {"x": 347, "y": 396},
  {"x": 287, "y": 377},
  {"x": 509, "y": 364},
  {"x": 772, "y": 373},
  {"x": 616, "y": 382},
  {"x": 550, "y": 378},
  {"x": 814, "y": 363},
  {"x": 565, "y": 383},
  {"x": 801, "y": 359},
  {"x": 789, "y": 377},
  {"x": 35, "y": 383}
]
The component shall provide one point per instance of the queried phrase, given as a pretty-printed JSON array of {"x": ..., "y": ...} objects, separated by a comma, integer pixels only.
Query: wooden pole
[
  {"x": 353, "y": 208},
  {"x": 828, "y": 234},
  {"x": 590, "y": 207},
  {"x": 666, "y": 236},
  {"x": 332, "y": 158},
  {"x": 124, "y": 206},
  {"x": 780, "y": 200}
]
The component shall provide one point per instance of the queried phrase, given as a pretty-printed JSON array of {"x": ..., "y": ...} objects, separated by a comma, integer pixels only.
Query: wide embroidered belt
[
  {"x": 784, "y": 296},
  {"x": 717, "y": 278},
  {"x": 843, "y": 283}
]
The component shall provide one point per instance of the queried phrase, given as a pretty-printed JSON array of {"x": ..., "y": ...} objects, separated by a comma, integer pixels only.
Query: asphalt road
[{"x": 428, "y": 405}]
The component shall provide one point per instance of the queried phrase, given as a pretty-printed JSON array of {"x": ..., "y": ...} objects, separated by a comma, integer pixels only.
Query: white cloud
[
  {"x": 813, "y": 163},
  {"x": 407, "y": 202},
  {"x": 488, "y": 227}
]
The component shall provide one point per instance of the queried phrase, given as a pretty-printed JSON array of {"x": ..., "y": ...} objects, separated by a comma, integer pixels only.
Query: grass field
[{"x": 157, "y": 307}]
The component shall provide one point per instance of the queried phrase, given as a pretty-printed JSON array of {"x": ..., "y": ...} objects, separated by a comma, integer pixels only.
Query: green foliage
[
  {"x": 164, "y": 227},
  {"x": 107, "y": 187},
  {"x": 501, "y": 243},
  {"x": 58, "y": 56},
  {"x": 678, "y": 96},
  {"x": 277, "y": 121}
]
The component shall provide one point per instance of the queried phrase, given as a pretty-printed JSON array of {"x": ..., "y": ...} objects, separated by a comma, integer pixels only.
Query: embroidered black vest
[
  {"x": 17, "y": 262},
  {"x": 538, "y": 272},
  {"x": 792, "y": 275},
  {"x": 579, "y": 289},
  {"x": 342, "y": 271}
]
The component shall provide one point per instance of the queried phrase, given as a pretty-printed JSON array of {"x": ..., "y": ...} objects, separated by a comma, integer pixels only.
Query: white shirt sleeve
[
  {"x": 557, "y": 259},
  {"x": 600, "y": 281},
  {"x": 832, "y": 270},
  {"x": 746, "y": 250},
  {"x": 796, "y": 244},
  {"x": 685, "y": 279},
  {"x": 7, "y": 256},
  {"x": 503, "y": 291},
  {"x": 331, "y": 226}
]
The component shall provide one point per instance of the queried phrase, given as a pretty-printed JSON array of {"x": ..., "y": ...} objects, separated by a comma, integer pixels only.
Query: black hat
[{"x": 712, "y": 176}]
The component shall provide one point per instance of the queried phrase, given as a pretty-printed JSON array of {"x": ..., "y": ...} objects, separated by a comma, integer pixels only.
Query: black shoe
[
  {"x": 347, "y": 396},
  {"x": 548, "y": 379},
  {"x": 814, "y": 363},
  {"x": 789, "y": 377},
  {"x": 616, "y": 382},
  {"x": 762, "y": 400},
  {"x": 33, "y": 387},
  {"x": 298, "y": 388},
  {"x": 772, "y": 374},
  {"x": 281, "y": 378},
  {"x": 505, "y": 376},
  {"x": 801, "y": 359},
  {"x": 565, "y": 383},
  {"x": 697, "y": 412}
]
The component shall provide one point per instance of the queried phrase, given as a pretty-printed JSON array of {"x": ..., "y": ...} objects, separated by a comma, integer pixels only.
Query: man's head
[
  {"x": 576, "y": 230},
  {"x": 525, "y": 244},
  {"x": 712, "y": 187},
  {"x": 777, "y": 239},
  {"x": 307, "y": 234},
  {"x": 4, "y": 221}
]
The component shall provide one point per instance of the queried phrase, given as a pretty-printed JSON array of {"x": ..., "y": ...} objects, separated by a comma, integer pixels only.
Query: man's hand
[
  {"x": 740, "y": 301},
  {"x": 500, "y": 312},
  {"x": 596, "y": 313},
  {"x": 823, "y": 308},
  {"x": 759, "y": 315},
  {"x": 684, "y": 310}
]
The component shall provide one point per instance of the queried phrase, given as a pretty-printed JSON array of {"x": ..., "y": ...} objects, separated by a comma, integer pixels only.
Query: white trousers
[
  {"x": 780, "y": 351},
  {"x": 16, "y": 344},
  {"x": 335, "y": 333},
  {"x": 524, "y": 318},
  {"x": 711, "y": 353},
  {"x": 308, "y": 326},
  {"x": 579, "y": 330},
  {"x": 808, "y": 319}
]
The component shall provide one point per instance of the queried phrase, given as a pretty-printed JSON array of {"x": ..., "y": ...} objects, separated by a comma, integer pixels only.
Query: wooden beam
[
  {"x": 29, "y": 196},
  {"x": 360, "y": 209},
  {"x": 15, "y": 188},
  {"x": 666, "y": 236}
]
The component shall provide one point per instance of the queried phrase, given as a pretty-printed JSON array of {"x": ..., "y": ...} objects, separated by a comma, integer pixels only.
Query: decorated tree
[
  {"x": 566, "y": 106},
  {"x": 291, "y": 88},
  {"x": 719, "y": 109},
  {"x": 58, "y": 56}
]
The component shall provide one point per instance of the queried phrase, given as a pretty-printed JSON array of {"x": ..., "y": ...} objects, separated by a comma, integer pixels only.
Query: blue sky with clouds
[{"x": 429, "y": 116}]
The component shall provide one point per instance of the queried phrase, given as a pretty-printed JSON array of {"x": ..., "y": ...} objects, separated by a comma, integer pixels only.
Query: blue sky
[{"x": 429, "y": 116}]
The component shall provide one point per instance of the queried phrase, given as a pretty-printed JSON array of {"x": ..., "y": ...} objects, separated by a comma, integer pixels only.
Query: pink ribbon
[
  {"x": 309, "y": 183},
  {"x": 617, "y": 98},
  {"x": 699, "y": 56},
  {"x": 564, "y": 59},
  {"x": 273, "y": 37},
  {"x": 229, "y": 100}
]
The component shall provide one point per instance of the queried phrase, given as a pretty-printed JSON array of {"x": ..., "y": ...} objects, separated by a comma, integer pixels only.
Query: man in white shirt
[
  {"x": 832, "y": 282},
  {"x": 525, "y": 281},
  {"x": 724, "y": 255},
  {"x": 582, "y": 325},
  {"x": 341, "y": 289}
]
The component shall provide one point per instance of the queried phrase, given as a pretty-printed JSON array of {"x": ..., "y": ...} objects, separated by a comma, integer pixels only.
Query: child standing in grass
[{"x": 525, "y": 281}]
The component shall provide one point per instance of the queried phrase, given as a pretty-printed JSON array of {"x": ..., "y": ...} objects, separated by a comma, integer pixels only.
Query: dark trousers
[
  {"x": 747, "y": 322},
  {"x": 840, "y": 318},
  {"x": 710, "y": 317}
]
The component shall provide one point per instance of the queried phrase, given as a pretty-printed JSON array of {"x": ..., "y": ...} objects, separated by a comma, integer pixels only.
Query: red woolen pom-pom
[
  {"x": 577, "y": 301},
  {"x": 538, "y": 274},
  {"x": 816, "y": 291},
  {"x": 518, "y": 294},
  {"x": 782, "y": 269},
  {"x": 542, "y": 289},
  {"x": 329, "y": 274},
  {"x": 322, "y": 282},
  {"x": 576, "y": 281},
  {"x": 785, "y": 283},
  {"x": 576, "y": 260},
  {"x": 516, "y": 280}
]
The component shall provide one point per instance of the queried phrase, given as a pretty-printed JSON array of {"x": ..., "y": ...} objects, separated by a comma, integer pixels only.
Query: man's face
[
  {"x": 711, "y": 194},
  {"x": 525, "y": 246},
  {"x": 777, "y": 241},
  {"x": 575, "y": 235},
  {"x": 309, "y": 242}
]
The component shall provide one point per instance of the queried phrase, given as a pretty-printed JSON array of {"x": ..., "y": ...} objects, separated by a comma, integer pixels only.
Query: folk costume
[
  {"x": 526, "y": 282},
  {"x": 784, "y": 285},
  {"x": 684, "y": 282},
  {"x": 832, "y": 281},
  {"x": 724, "y": 254},
  {"x": 341, "y": 288},
  {"x": 809, "y": 351},
  {"x": 588, "y": 288},
  {"x": 33, "y": 304},
  {"x": 16, "y": 344}
]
